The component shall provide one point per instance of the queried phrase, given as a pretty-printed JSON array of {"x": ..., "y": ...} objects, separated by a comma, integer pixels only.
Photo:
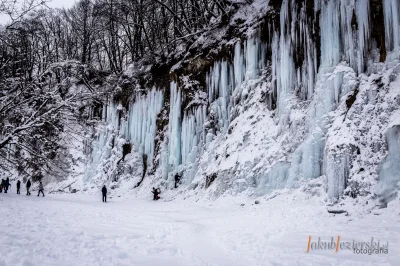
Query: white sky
[{"x": 53, "y": 3}]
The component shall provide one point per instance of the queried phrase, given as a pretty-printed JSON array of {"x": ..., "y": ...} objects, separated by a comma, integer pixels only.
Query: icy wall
[{"x": 288, "y": 107}]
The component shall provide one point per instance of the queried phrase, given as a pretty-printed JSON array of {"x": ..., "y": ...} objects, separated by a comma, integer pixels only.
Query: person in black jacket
[
  {"x": 177, "y": 179},
  {"x": 28, "y": 186},
  {"x": 18, "y": 187},
  {"x": 156, "y": 192},
  {"x": 104, "y": 191},
  {"x": 6, "y": 185},
  {"x": 41, "y": 189}
]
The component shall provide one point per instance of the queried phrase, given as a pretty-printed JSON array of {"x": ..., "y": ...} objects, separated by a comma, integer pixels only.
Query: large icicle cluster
[
  {"x": 188, "y": 136},
  {"x": 137, "y": 127},
  {"x": 103, "y": 141},
  {"x": 140, "y": 128},
  {"x": 345, "y": 36},
  {"x": 225, "y": 80},
  {"x": 193, "y": 139}
]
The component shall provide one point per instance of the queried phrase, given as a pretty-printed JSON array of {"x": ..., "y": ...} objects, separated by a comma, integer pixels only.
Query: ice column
[
  {"x": 362, "y": 11},
  {"x": 193, "y": 140},
  {"x": 174, "y": 130},
  {"x": 391, "y": 9},
  {"x": 104, "y": 140},
  {"x": 330, "y": 39},
  {"x": 390, "y": 168},
  {"x": 337, "y": 168}
]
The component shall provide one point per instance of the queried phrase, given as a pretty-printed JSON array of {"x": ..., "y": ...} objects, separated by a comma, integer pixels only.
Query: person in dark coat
[
  {"x": 18, "y": 187},
  {"x": 156, "y": 192},
  {"x": 28, "y": 186},
  {"x": 6, "y": 185},
  {"x": 177, "y": 179},
  {"x": 2, "y": 185},
  {"x": 104, "y": 192},
  {"x": 41, "y": 189}
]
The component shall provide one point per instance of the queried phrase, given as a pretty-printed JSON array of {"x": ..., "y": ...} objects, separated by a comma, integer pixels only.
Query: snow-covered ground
[{"x": 72, "y": 229}]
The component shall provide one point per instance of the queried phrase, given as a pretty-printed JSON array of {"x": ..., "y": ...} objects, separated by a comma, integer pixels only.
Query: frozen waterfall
[{"x": 304, "y": 71}]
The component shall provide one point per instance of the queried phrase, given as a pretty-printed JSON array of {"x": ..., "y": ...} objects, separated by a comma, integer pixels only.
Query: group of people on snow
[
  {"x": 156, "y": 191},
  {"x": 5, "y": 184}
]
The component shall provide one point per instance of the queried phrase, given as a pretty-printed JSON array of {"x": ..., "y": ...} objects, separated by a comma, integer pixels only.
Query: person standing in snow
[
  {"x": 177, "y": 179},
  {"x": 41, "y": 189},
  {"x": 18, "y": 187},
  {"x": 28, "y": 186},
  {"x": 156, "y": 192},
  {"x": 104, "y": 192},
  {"x": 6, "y": 185}
]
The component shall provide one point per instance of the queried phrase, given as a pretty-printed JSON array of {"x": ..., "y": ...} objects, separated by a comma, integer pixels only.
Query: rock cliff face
[{"x": 287, "y": 92}]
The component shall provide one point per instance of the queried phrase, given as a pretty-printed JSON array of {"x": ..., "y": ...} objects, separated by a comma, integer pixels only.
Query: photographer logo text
[{"x": 335, "y": 244}]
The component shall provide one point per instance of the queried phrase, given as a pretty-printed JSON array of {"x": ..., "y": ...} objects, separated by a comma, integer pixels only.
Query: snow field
[{"x": 81, "y": 230}]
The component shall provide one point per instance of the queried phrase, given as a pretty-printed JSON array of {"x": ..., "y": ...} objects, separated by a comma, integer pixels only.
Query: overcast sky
[{"x": 53, "y": 3}]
